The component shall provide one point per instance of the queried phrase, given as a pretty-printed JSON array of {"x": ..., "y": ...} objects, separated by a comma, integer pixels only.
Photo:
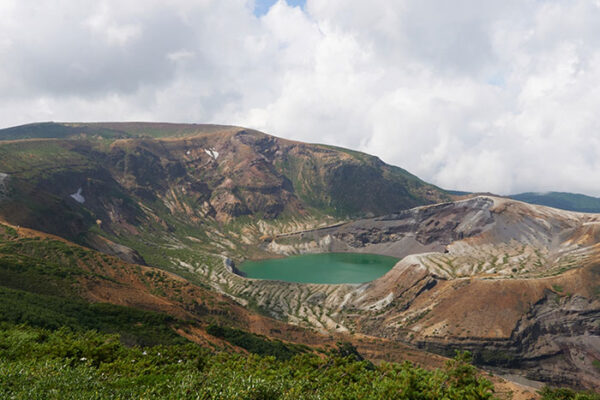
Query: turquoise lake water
[{"x": 321, "y": 268}]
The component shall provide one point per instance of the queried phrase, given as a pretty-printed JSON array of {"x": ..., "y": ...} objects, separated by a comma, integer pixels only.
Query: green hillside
[
  {"x": 562, "y": 200},
  {"x": 41, "y": 364}
]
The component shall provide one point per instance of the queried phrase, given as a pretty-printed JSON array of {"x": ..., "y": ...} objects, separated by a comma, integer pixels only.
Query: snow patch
[
  {"x": 78, "y": 197},
  {"x": 211, "y": 152}
]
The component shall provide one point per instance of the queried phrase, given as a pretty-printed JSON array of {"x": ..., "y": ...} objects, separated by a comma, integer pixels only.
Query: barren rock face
[{"x": 412, "y": 231}]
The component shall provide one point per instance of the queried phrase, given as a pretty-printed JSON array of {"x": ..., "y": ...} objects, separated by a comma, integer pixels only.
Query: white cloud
[
  {"x": 113, "y": 32},
  {"x": 469, "y": 95}
]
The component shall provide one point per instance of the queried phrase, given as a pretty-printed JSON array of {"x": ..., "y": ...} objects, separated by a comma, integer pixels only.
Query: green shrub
[
  {"x": 136, "y": 327},
  {"x": 566, "y": 394},
  {"x": 37, "y": 363},
  {"x": 254, "y": 343}
]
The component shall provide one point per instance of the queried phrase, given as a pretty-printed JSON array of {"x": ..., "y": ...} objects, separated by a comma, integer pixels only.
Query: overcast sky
[{"x": 500, "y": 96}]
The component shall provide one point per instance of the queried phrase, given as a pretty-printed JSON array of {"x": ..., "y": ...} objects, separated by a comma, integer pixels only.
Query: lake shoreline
[{"x": 320, "y": 268}]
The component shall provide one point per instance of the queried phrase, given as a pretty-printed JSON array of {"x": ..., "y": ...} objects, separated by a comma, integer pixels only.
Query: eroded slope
[{"x": 517, "y": 284}]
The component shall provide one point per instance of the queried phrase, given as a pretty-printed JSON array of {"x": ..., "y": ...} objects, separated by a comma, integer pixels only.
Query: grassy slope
[
  {"x": 40, "y": 364},
  {"x": 362, "y": 182},
  {"x": 39, "y": 285},
  {"x": 108, "y": 130},
  {"x": 50, "y": 283}
]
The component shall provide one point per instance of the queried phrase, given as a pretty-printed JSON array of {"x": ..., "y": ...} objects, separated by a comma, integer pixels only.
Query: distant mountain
[{"x": 562, "y": 200}]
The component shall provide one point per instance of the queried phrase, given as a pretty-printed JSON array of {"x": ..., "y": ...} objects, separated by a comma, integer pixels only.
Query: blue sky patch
[{"x": 261, "y": 7}]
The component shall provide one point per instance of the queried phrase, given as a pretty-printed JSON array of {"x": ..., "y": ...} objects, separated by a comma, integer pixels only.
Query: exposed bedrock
[
  {"x": 418, "y": 230},
  {"x": 547, "y": 329},
  {"x": 557, "y": 341}
]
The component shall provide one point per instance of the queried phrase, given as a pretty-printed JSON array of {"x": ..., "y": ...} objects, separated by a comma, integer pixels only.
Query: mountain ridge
[
  {"x": 563, "y": 200},
  {"x": 223, "y": 174}
]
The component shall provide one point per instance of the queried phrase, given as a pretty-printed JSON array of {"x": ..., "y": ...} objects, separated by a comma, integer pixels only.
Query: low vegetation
[
  {"x": 256, "y": 344},
  {"x": 135, "y": 327},
  {"x": 37, "y": 363},
  {"x": 567, "y": 394}
]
